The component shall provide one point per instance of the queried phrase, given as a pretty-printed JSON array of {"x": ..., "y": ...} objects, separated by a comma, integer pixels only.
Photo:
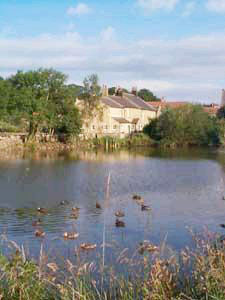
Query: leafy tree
[
  {"x": 91, "y": 95},
  {"x": 221, "y": 113},
  {"x": 112, "y": 90},
  {"x": 189, "y": 124},
  {"x": 42, "y": 99},
  {"x": 147, "y": 95}
]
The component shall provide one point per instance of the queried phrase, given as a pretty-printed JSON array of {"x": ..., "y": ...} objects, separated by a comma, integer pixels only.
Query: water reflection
[{"x": 183, "y": 188}]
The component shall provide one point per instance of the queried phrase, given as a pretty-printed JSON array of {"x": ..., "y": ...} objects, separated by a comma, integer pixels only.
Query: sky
[{"x": 175, "y": 48}]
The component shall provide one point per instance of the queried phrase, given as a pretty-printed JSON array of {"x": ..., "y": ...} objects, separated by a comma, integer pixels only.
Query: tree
[
  {"x": 147, "y": 95},
  {"x": 221, "y": 112},
  {"x": 91, "y": 96},
  {"x": 187, "y": 125},
  {"x": 112, "y": 90},
  {"x": 44, "y": 101}
]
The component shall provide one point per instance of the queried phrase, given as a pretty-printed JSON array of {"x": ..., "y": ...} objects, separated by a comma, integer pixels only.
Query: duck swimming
[
  {"x": 39, "y": 233},
  {"x": 75, "y": 209},
  {"x": 119, "y": 223},
  {"x": 64, "y": 202},
  {"x": 85, "y": 246},
  {"x": 98, "y": 205},
  {"x": 70, "y": 235},
  {"x": 145, "y": 207},
  {"x": 37, "y": 223},
  {"x": 140, "y": 201},
  {"x": 137, "y": 197},
  {"x": 120, "y": 214},
  {"x": 42, "y": 210}
]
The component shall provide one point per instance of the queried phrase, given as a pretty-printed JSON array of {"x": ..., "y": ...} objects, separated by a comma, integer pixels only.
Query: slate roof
[{"x": 126, "y": 101}]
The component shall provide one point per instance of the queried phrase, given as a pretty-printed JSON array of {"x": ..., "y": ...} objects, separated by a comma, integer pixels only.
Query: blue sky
[{"x": 176, "y": 48}]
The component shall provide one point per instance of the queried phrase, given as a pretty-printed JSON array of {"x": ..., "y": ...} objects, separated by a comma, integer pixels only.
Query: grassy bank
[{"x": 198, "y": 274}]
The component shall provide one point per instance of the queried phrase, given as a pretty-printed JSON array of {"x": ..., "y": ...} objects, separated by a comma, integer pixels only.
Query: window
[
  {"x": 93, "y": 127},
  {"x": 106, "y": 127},
  {"x": 114, "y": 127}
]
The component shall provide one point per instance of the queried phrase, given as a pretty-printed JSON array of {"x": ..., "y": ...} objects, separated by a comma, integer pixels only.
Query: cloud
[
  {"x": 152, "y": 5},
  {"x": 188, "y": 9},
  {"x": 184, "y": 68},
  {"x": 80, "y": 9},
  {"x": 108, "y": 34},
  {"x": 217, "y": 6}
]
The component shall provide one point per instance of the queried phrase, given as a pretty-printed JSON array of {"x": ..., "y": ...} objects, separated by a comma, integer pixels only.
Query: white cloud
[
  {"x": 152, "y": 5},
  {"x": 108, "y": 34},
  {"x": 186, "y": 69},
  {"x": 80, "y": 9},
  {"x": 188, "y": 9},
  {"x": 217, "y": 6}
]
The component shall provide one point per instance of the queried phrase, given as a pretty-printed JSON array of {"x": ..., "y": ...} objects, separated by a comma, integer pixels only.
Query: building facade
[{"x": 120, "y": 115}]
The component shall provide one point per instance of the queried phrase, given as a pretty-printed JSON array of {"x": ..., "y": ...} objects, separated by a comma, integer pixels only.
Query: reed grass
[{"x": 198, "y": 274}]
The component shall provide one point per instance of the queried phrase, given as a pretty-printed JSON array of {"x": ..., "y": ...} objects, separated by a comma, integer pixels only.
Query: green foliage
[
  {"x": 90, "y": 96},
  {"x": 40, "y": 100},
  {"x": 187, "y": 125},
  {"x": 221, "y": 113},
  {"x": 112, "y": 90},
  {"x": 147, "y": 95}
]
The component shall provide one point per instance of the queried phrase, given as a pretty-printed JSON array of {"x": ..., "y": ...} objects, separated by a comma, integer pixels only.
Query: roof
[
  {"x": 121, "y": 120},
  {"x": 127, "y": 101},
  {"x": 164, "y": 104}
]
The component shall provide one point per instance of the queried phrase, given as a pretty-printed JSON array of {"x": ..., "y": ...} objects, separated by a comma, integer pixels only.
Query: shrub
[{"x": 187, "y": 125}]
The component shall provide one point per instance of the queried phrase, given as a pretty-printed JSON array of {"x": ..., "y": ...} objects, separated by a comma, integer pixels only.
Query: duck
[
  {"x": 120, "y": 214},
  {"x": 39, "y": 233},
  {"x": 75, "y": 209},
  {"x": 224, "y": 197},
  {"x": 64, "y": 202},
  {"x": 119, "y": 223},
  {"x": 137, "y": 197},
  {"x": 37, "y": 222},
  {"x": 70, "y": 235},
  {"x": 222, "y": 225},
  {"x": 74, "y": 215},
  {"x": 98, "y": 205},
  {"x": 145, "y": 207},
  {"x": 42, "y": 210},
  {"x": 140, "y": 201},
  {"x": 85, "y": 246}
]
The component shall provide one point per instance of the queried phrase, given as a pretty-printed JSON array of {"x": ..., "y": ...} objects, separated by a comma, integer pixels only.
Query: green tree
[
  {"x": 147, "y": 95},
  {"x": 43, "y": 99},
  {"x": 112, "y": 90},
  {"x": 187, "y": 125},
  {"x": 221, "y": 112},
  {"x": 91, "y": 95}
]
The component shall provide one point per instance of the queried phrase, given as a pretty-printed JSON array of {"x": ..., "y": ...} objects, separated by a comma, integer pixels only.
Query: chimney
[
  {"x": 134, "y": 91},
  {"x": 223, "y": 98},
  {"x": 119, "y": 92},
  {"x": 105, "y": 91}
]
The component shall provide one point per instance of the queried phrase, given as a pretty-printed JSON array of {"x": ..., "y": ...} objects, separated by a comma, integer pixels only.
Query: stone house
[{"x": 121, "y": 115}]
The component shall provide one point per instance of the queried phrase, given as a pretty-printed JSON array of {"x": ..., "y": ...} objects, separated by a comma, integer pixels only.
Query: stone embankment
[{"x": 12, "y": 140}]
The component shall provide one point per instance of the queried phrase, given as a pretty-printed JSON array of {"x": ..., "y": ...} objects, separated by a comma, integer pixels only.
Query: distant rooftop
[{"x": 127, "y": 101}]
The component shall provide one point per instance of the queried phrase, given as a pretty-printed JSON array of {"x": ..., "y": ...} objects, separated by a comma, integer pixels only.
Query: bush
[{"x": 187, "y": 125}]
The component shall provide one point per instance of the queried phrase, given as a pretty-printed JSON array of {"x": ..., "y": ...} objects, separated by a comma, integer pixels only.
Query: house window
[
  {"x": 114, "y": 127},
  {"x": 93, "y": 127},
  {"x": 106, "y": 127}
]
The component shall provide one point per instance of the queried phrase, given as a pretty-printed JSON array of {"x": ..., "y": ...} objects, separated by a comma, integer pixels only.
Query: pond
[{"x": 184, "y": 189}]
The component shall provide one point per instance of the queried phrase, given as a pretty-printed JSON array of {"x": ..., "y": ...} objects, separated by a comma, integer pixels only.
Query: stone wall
[{"x": 9, "y": 140}]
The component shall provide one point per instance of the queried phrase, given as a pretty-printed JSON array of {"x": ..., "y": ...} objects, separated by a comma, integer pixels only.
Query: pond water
[{"x": 183, "y": 188}]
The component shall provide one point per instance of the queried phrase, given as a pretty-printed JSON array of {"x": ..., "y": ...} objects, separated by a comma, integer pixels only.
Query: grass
[{"x": 198, "y": 274}]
